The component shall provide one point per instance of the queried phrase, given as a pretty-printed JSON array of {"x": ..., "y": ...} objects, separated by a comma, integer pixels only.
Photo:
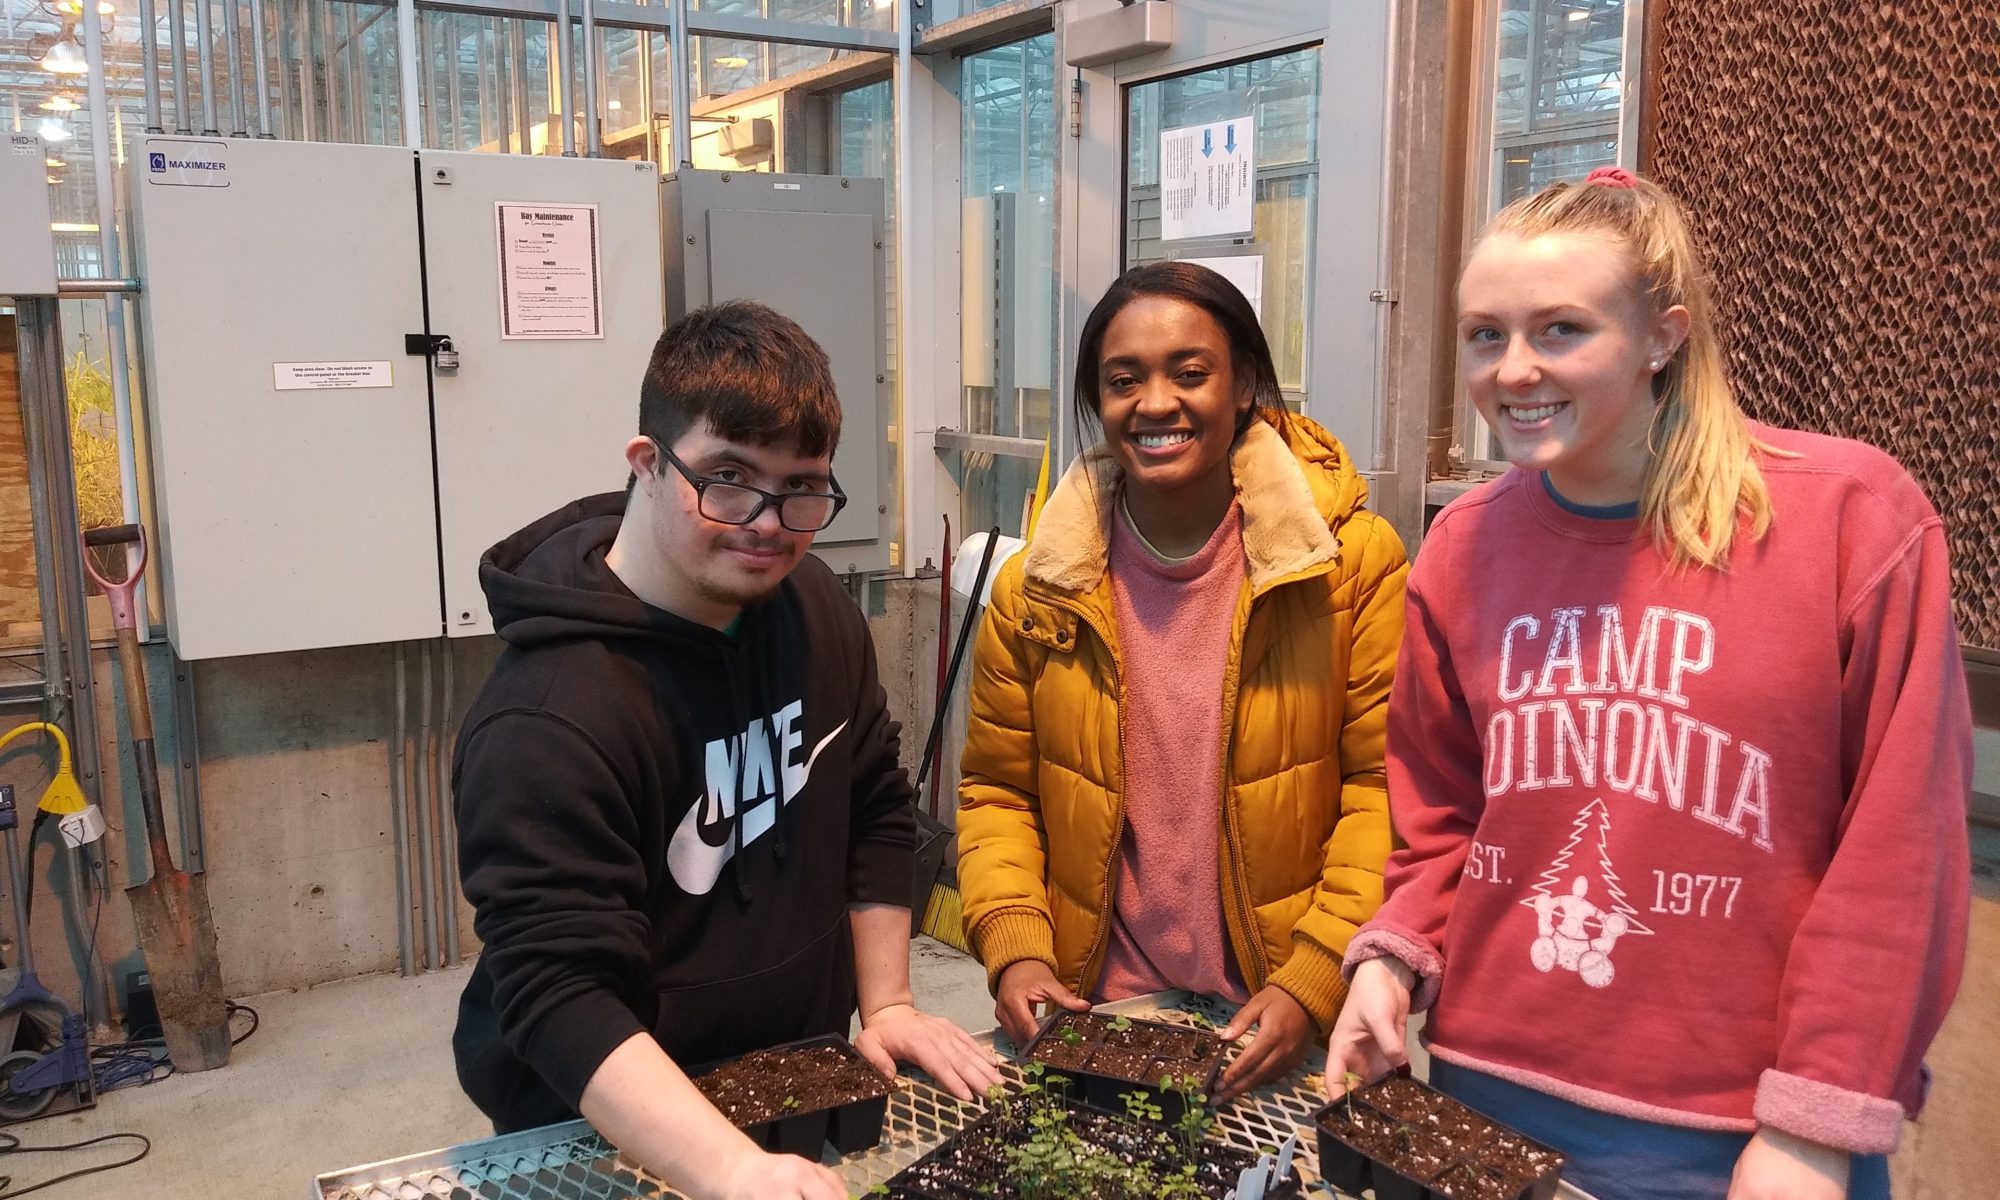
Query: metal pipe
[
  {"x": 204, "y": 34},
  {"x": 95, "y": 287},
  {"x": 518, "y": 40},
  {"x": 149, "y": 66},
  {"x": 593, "y": 136},
  {"x": 262, "y": 73},
  {"x": 232, "y": 41},
  {"x": 426, "y": 860},
  {"x": 427, "y": 88},
  {"x": 399, "y": 831},
  {"x": 177, "y": 36},
  {"x": 87, "y": 862},
  {"x": 503, "y": 87},
  {"x": 682, "y": 95},
  {"x": 482, "y": 67},
  {"x": 406, "y": 58},
  {"x": 114, "y": 305},
  {"x": 564, "y": 77},
  {"x": 447, "y": 814},
  {"x": 292, "y": 124}
]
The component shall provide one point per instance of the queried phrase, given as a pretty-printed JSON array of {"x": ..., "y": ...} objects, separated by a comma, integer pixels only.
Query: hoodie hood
[{"x": 550, "y": 583}]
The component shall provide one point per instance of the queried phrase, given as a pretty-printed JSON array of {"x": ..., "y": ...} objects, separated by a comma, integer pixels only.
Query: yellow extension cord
[{"x": 63, "y": 797}]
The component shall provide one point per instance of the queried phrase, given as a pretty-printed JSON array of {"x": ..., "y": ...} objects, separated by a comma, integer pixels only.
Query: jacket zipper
[{"x": 1247, "y": 926}]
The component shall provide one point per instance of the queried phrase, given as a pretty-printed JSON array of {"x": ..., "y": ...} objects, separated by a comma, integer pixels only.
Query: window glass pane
[
  {"x": 1281, "y": 95},
  {"x": 1009, "y": 128},
  {"x": 1559, "y": 83},
  {"x": 725, "y": 65}
]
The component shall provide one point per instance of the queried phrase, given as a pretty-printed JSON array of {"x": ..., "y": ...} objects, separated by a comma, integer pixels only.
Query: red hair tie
[{"x": 1617, "y": 177}]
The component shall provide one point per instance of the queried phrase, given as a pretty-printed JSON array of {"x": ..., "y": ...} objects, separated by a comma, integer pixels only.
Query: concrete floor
[{"x": 360, "y": 1071}]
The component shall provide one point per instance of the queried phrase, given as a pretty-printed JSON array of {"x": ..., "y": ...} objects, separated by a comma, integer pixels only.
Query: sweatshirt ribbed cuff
[
  {"x": 1007, "y": 937},
  {"x": 574, "y": 1038},
  {"x": 1375, "y": 941},
  {"x": 1312, "y": 977},
  {"x": 1832, "y": 1116}
]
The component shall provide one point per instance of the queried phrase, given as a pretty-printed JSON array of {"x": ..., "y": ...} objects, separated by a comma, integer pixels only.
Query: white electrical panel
[
  {"x": 27, "y": 245},
  {"x": 545, "y": 275},
  {"x": 327, "y": 471},
  {"x": 291, "y": 437}
]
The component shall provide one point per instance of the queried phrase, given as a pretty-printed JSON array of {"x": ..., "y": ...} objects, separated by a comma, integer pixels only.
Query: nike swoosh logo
[{"x": 696, "y": 865}]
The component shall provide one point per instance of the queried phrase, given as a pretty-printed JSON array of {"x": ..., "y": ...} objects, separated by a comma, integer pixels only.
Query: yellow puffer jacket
[{"x": 1305, "y": 828}]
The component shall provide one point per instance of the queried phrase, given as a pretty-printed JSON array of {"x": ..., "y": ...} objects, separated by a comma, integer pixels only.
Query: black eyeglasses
[{"x": 739, "y": 503}]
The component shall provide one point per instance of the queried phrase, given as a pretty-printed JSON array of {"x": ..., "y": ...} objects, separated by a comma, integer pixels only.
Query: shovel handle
[{"x": 123, "y": 594}]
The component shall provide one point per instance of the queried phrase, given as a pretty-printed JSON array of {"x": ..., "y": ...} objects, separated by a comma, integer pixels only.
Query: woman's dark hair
[{"x": 1197, "y": 285}]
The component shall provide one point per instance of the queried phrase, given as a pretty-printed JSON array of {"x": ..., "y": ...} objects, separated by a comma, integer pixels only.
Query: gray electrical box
[
  {"x": 809, "y": 246},
  {"x": 27, "y": 245},
  {"x": 366, "y": 365}
]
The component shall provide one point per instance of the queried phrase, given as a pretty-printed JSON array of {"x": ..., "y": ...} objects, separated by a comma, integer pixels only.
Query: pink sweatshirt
[
  {"x": 1687, "y": 846},
  {"x": 1174, "y": 622}
]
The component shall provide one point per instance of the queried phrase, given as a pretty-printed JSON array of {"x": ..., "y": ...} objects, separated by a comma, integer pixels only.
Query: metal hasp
[{"x": 737, "y": 235}]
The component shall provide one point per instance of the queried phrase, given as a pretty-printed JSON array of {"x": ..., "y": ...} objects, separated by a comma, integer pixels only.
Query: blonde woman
[{"x": 1679, "y": 744}]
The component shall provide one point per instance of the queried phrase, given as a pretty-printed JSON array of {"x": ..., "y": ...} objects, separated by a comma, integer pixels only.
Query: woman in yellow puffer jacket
[{"x": 1173, "y": 769}]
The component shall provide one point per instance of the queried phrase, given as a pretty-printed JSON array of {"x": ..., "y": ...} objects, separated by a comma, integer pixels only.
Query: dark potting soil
[
  {"x": 1141, "y": 1052},
  {"x": 1398, "y": 1125},
  {"x": 768, "y": 1085}
]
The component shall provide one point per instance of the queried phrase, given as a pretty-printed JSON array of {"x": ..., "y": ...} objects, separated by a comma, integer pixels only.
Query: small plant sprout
[
  {"x": 1121, "y": 1022},
  {"x": 1070, "y": 1036},
  {"x": 791, "y": 1102},
  {"x": 1350, "y": 1081}
]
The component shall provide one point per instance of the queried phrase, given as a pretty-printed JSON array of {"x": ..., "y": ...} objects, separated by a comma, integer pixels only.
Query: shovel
[{"x": 176, "y": 930}]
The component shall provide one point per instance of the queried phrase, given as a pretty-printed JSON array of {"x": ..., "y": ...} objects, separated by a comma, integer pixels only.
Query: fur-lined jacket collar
[{"x": 1293, "y": 479}]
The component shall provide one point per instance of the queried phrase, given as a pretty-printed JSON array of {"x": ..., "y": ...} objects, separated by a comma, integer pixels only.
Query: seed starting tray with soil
[
  {"x": 1010, "y": 1154},
  {"x": 571, "y": 1162},
  {"x": 1410, "y": 1142},
  {"x": 794, "y": 1098},
  {"x": 1115, "y": 1054}
]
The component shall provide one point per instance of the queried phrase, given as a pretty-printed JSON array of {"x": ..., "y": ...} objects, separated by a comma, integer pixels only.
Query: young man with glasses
[{"x": 682, "y": 820}]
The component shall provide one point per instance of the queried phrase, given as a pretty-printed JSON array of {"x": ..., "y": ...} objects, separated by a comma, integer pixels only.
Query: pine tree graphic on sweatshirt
[{"x": 1580, "y": 911}]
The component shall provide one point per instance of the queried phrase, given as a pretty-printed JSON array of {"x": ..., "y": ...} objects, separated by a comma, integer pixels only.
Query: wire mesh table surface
[{"x": 571, "y": 1162}]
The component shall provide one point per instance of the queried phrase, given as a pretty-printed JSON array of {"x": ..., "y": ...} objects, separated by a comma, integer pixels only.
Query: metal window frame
[{"x": 1468, "y": 429}]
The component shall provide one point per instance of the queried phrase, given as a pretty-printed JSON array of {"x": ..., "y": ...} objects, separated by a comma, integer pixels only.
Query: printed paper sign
[
  {"x": 1207, "y": 177},
  {"x": 316, "y": 376},
  {"x": 1246, "y": 271},
  {"x": 550, "y": 283}
]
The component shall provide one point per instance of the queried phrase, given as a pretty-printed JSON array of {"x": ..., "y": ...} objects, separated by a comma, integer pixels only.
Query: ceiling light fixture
[
  {"x": 60, "y": 102},
  {"x": 64, "y": 58},
  {"x": 75, "y": 7},
  {"x": 731, "y": 61}
]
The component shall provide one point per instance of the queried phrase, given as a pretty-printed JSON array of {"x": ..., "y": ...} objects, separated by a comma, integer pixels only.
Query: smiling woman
[{"x": 1212, "y": 555}]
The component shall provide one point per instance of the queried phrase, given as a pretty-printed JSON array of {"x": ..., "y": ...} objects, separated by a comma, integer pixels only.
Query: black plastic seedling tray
[
  {"x": 785, "y": 1118},
  {"x": 972, "y": 1164},
  {"x": 1411, "y": 1142},
  {"x": 1115, "y": 1056}
]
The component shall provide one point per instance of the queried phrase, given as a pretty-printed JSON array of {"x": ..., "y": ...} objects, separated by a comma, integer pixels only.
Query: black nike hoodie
[{"x": 661, "y": 826}]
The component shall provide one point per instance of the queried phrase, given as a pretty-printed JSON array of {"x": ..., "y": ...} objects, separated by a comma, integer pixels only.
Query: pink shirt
[
  {"x": 1688, "y": 846},
  {"x": 1174, "y": 624}
]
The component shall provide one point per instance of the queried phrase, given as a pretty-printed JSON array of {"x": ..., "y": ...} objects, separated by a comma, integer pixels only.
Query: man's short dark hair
[{"x": 747, "y": 370}]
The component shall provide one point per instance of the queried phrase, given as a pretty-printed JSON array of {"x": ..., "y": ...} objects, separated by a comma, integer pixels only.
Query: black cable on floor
[
  {"x": 9, "y": 1144},
  {"x": 235, "y": 1008}
]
